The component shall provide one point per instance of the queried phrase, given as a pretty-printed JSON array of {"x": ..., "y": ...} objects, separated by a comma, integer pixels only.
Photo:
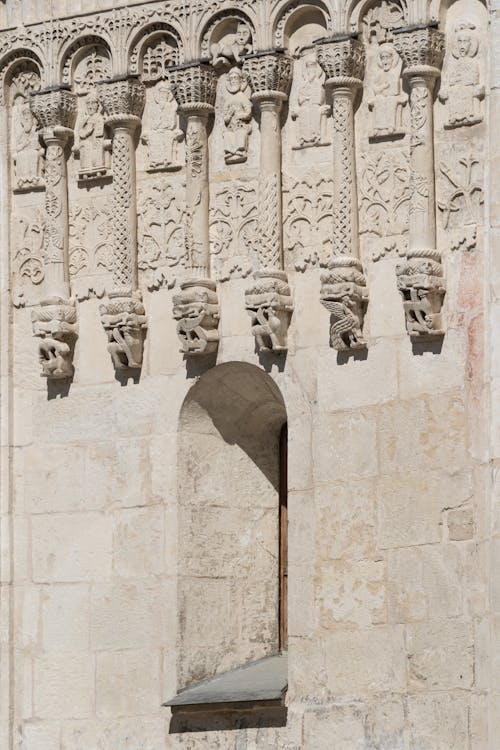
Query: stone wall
[{"x": 321, "y": 221}]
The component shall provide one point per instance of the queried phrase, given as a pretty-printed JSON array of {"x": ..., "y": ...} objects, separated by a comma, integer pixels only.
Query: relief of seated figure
[
  {"x": 91, "y": 144},
  {"x": 388, "y": 100}
]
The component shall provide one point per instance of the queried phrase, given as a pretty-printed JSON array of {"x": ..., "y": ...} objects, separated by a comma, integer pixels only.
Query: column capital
[
  {"x": 269, "y": 74},
  {"x": 422, "y": 50},
  {"x": 55, "y": 111},
  {"x": 342, "y": 58},
  {"x": 122, "y": 100},
  {"x": 194, "y": 87}
]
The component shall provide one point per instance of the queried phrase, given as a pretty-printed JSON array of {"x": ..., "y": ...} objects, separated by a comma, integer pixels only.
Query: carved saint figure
[
  {"x": 388, "y": 100},
  {"x": 164, "y": 135},
  {"x": 230, "y": 48},
  {"x": 310, "y": 109},
  {"x": 27, "y": 150},
  {"x": 237, "y": 116},
  {"x": 462, "y": 90},
  {"x": 92, "y": 145}
]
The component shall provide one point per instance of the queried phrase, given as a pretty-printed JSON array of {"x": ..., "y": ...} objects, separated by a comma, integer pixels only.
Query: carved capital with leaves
[
  {"x": 194, "y": 87},
  {"x": 343, "y": 60},
  {"x": 269, "y": 74},
  {"x": 421, "y": 48},
  {"x": 122, "y": 100},
  {"x": 55, "y": 111}
]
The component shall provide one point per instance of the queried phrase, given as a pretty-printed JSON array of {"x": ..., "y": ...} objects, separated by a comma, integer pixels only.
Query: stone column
[
  {"x": 196, "y": 307},
  {"x": 343, "y": 290},
  {"x": 123, "y": 316},
  {"x": 54, "y": 322},
  {"x": 420, "y": 279},
  {"x": 269, "y": 300}
]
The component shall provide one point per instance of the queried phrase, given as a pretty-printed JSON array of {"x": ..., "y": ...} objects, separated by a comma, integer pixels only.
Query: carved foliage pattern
[
  {"x": 384, "y": 192},
  {"x": 233, "y": 231},
  {"x": 307, "y": 224}
]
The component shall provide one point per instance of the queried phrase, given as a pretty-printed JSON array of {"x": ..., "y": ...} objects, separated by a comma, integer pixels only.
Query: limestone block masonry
[{"x": 250, "y": 372}]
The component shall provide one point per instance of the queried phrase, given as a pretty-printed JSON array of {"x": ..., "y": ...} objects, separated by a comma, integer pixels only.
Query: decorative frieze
[
  {"x": 270, "y": 76},
  {"x": 343, "y": 60},
  {"x": 422, "y": 49},
  {"x": 55, "y": 321},
  {"x": 123, "y": 317},
  {"x": 194, "y": 88}
]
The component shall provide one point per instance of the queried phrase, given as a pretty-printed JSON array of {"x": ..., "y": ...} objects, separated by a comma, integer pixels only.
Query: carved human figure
[
  {"x": 309, "y": 109},
  {"x": 462, "y": 90},
  {"x": 388, "y": 99},
  {"x": 232, "y": 46},
  {"x": 237, "y": 116},
  {"x": 91, "y": 144},
  {"x": 164, "y": 134},
  {"x": 27, "y": 150}
]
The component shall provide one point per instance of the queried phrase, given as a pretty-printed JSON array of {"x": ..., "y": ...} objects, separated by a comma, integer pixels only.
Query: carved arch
[
  {"x": 439, "y": 8},
  {"x": 213, "y": 27},
  {"x": 289, "y": 14},
  {"x": 358, "y": 9},
  {"x": 148, "y": 34},
  {"x": 14, "y": 61},
  {"x": 74, "y": 50}
]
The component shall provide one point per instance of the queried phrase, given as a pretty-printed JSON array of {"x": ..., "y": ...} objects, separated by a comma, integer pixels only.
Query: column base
[
  {"x": 196, "y": 310},
  {"x": 269, "y": 303},
  {"x": 345, "y": 296},
  {"x": 422, "y": 287}
]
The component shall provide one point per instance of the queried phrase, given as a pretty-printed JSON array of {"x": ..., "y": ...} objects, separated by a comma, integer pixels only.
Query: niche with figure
[{"x": 232, "y": 504}]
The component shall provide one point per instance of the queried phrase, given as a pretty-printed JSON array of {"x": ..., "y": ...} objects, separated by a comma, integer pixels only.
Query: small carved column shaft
[
  {"x": 343, "y": 291},
  {"x": 55, "y": 111},
  {"x": 196, "y": 308},
  {"x": 194, "y": 88},
  {"x": 123, "y": 316},
  {"x": 123, "y": 102},
  {"x": 269, "y": 301},
  {"x": 55, "y": 321},
  {"x": 197, "y": 193},
  {"x": 422, "y": 52},
  {"x": 420, "y": 278}
]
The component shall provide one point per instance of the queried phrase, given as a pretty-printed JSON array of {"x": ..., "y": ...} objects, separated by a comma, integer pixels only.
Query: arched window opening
[{"x": 232, "y": 554}]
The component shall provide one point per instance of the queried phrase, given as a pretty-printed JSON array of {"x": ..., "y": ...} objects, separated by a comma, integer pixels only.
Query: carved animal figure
[
  {"x": 54, "y": 358},
  {"x": 345, "y": 332},
  {"x": 266, "y": 327},
  {"x": 230, "y": 48}
]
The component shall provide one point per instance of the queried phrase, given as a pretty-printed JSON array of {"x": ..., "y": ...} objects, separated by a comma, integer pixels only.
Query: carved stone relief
[
  {"x": 158, "y": 54},
  {"x": 463, "y": 91},
  {"x": 26, "y": 149},
  {"x": 234, "y": 231},
  {"x": 92, "y": 145},
  {"x": 379, "y": 21},
  {"x": 460, "y": 199},
  {"x": 162, "y": 134},
  {"x": 237, "y": 115},
  {"x": 228, "y": 49},
  {"x": 387, "y": 99},
  {"x": 90, "y": 248},
  {"x": 161, "y": 233},
  {"x": 28, "y": 269},
  {"x": 307, "y": 221},
  {"x": 384, "y": 192},
  {"x": 308, "y": 107},
  {"x": 55, "y": 324}
]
